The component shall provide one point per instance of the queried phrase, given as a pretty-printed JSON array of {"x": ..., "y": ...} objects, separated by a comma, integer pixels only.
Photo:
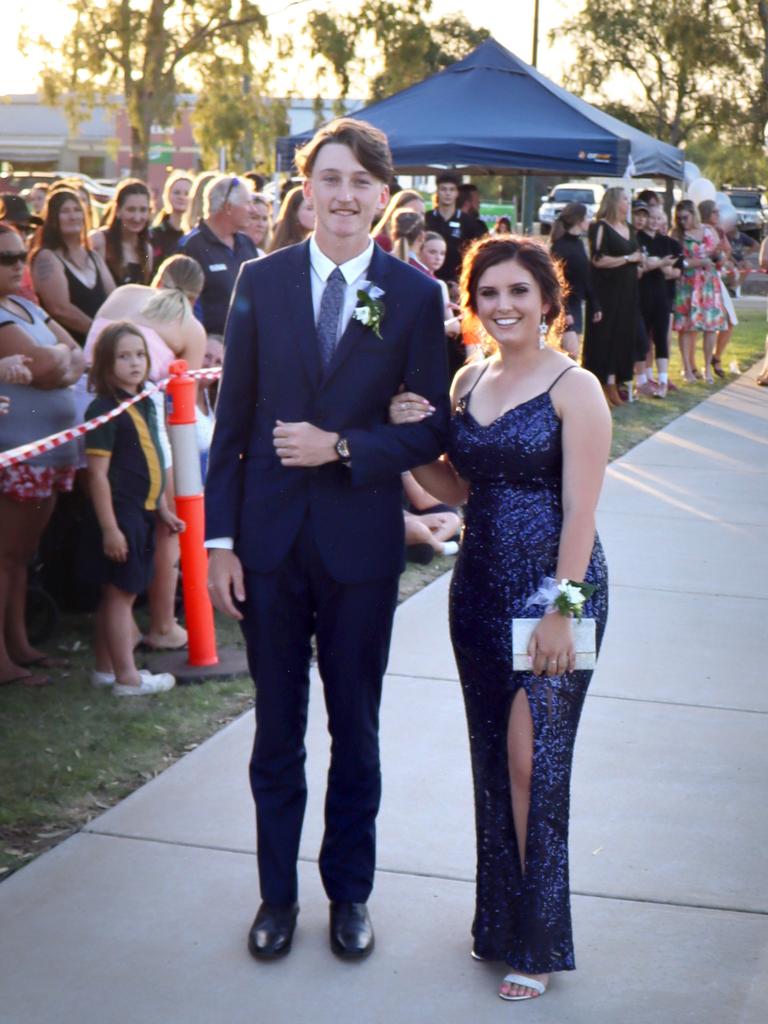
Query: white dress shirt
[
  {"x": 354, "y": 272},
  {"x": 321, "y": 268}
]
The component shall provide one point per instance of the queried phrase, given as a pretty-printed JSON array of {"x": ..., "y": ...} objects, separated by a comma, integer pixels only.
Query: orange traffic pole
[{"x": 188, "y": 481}]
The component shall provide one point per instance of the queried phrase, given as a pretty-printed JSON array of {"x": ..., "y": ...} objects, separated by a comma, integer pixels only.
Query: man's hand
[
  {"x": 301, "y": 444},
  {"x": 225, "y": 580}
]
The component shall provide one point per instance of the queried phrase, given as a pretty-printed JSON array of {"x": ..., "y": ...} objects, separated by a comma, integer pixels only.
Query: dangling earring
[{"x": 543, "y": 328}]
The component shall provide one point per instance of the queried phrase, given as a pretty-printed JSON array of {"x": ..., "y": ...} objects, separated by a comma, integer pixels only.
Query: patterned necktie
[{"x": 330, "y": 314}]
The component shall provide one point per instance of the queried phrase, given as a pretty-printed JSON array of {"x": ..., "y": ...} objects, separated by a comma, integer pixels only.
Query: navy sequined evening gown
[{"x": 513, "y": 520}]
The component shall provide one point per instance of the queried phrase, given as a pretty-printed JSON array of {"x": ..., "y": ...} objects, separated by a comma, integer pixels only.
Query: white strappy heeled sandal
[{"x": 520, "y": 979}]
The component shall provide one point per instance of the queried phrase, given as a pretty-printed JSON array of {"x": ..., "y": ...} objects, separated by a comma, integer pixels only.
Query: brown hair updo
[{"x": 490, "y": 250}]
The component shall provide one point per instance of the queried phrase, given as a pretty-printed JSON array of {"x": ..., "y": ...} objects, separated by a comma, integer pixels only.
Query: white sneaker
[
  {"x": 450, "y": 548},
  {"x": 102, "y": 678},
  {"x": 150, "y": 683}
]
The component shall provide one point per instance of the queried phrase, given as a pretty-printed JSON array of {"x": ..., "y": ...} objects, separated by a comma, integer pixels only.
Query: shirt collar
[{"x": 352, "y": 270}]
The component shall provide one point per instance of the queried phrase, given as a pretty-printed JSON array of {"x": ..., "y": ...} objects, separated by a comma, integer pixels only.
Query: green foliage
[
  {"x": 412, "y": 46},
  {"x": 333, "y": 37},
  {"x": 236, "y": 112},
  {"x": 136, "y": 49},
  {"x": 678, "y": 55},
  {"x": 728, "y": 162},
  {"x": 698, "y": 73}
]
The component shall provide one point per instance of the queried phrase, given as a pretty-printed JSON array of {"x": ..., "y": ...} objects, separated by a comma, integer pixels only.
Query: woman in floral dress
[{"x": 698, "y": 299}]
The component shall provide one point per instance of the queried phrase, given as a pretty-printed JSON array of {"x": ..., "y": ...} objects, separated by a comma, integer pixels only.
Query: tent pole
[{"x": 528, "y": 203}]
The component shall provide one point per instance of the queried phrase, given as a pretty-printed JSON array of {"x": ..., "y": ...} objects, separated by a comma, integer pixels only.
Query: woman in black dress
[
  {"x": 70, "y": 279},
  {"x": 615, "y": 342},
  {"x": 568, "y": 249},
  {"x": 124, "y": 239},
  {"x": 167, "y": 231}
]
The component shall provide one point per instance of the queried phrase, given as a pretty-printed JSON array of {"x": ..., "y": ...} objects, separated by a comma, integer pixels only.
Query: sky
[{"x": 511, "y": 23}]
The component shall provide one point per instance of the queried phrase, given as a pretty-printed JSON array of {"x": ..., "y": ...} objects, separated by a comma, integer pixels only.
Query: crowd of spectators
[
  {"x": 642, "y": 282},
  {"x": 170, "y": 272}
]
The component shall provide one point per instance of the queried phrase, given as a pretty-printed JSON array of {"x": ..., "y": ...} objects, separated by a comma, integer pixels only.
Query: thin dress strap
[
  {"x": 467, "y": 394},
  {"x": 557, "y": 378}
]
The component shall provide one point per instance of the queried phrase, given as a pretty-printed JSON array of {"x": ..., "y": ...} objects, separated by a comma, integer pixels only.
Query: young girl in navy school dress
[{"x": 125, "y": 472}]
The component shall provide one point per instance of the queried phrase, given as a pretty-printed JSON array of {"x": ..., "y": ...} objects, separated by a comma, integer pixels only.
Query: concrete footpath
[{"x": 142, "y": 917}]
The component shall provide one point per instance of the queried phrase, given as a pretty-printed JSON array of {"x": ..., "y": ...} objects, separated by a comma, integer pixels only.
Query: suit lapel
[
  {"x": 302, "y": 313},
  {"x": 377, "y": 274}
]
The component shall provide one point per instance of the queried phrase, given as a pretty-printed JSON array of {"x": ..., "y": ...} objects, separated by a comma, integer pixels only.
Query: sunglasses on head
[
  {"x": 232, "y": 185},
  {"x": 7, "y": 259}
]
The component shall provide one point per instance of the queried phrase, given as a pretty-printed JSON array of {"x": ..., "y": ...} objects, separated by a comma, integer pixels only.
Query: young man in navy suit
[{"x": 304, "y": 516}]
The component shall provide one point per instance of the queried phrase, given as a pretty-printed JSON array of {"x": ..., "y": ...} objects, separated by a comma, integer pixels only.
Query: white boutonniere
[{"x": 370, "y": 309}]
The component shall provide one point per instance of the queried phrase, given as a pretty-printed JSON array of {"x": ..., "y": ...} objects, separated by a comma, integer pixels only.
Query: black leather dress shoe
[
  {"x": 351, "y": 930},
  {"x": 272, "y": 930}
]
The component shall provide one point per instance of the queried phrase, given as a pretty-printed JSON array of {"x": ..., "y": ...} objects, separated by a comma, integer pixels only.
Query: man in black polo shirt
[
  {"x": 447, "y": 220},
  {"x": 469, "y": 204},
  {"x": 219, "y": 246}
]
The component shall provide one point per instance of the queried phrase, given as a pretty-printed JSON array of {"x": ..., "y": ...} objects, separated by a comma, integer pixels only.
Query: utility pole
[{"x": 528, "y": 180}]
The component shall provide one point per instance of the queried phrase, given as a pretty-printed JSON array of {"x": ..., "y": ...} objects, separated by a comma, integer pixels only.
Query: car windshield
[
  {"x": 572, "y": 195},
  {"x": 745, "y": 202}
]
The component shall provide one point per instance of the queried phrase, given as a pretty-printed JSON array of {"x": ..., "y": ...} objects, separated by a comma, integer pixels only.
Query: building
[{"x": 38, "y": 137}]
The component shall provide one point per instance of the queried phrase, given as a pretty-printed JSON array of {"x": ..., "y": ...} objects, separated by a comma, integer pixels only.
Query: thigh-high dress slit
[{"x": 511, "y": 538}]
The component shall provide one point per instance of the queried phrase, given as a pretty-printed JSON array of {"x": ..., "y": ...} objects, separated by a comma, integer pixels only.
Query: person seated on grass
[{"x": 430, "y": 527}]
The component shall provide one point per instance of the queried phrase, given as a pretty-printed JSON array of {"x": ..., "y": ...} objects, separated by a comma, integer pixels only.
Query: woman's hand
[
  {"x": 115, "y": 545},
  {"x": 597, "y": 316},
  {"x": 407, "y": 407},
  {"x": 15, "y": 369},
  {"x": 551, "y": 646}
]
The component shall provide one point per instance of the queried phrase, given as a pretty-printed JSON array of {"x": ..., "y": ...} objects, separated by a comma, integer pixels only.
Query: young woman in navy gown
[{"x": 529, "y": 443}]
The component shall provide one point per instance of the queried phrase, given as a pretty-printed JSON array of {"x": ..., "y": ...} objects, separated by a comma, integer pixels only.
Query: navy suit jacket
[{"x": 272, "y": 370}]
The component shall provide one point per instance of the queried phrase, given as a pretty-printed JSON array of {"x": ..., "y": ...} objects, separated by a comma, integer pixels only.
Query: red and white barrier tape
[{"x": 14, "y": 456}]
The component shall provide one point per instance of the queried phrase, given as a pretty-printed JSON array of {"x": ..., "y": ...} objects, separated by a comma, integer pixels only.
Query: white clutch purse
[{"x": 583, "y": 639}]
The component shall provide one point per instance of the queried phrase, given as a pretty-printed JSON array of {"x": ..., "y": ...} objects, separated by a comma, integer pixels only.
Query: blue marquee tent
[{"x": 492, "y": 113}]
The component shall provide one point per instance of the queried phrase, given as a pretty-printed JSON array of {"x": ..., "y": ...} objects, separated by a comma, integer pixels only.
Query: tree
[
  {"x": 137, "y": 50},
  {"x": 411, "y": 44},
  {"x": 678, "y": 55},
  {"x": 235, "y": 112}
]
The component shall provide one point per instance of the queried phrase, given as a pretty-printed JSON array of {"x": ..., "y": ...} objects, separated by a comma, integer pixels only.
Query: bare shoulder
[
  {"x": 577, "y": 389},
  {"x": 45, "y": 266},
  {"x": 97, "y": 238},
  {"x": 465, "y": 378}
]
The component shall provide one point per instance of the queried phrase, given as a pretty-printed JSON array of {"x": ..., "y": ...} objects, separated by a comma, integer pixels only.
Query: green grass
[
  {"x": 636, "y": 421},
  {"x": 68, "y": 752}
]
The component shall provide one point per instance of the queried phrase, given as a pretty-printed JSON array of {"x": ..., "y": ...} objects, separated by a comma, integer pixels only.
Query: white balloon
[
  {"x": 690, "y": 173},
  {"x": 728, "y": 212},
  {"x": 701, "y": 189}
]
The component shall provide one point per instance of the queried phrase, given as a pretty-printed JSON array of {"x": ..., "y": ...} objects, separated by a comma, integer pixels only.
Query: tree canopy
[
  {"x": 137, "y": 49},
  {"x": 690, "y": 72},
  {"x": 390, "y": 45}
]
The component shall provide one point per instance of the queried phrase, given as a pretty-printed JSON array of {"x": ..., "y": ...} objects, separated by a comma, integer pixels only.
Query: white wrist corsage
[
  {"x": 564, "y": 596},
  {"x": 370, "y": 309}
]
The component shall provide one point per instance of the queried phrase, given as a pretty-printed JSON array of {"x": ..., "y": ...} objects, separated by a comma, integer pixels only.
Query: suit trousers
[{"x": 352, "y": 623}]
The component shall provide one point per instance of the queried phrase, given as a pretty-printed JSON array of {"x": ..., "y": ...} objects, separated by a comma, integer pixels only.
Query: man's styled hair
[
  {"x": 448, "y": 178},
  {"x": 369, "y": 145}
]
